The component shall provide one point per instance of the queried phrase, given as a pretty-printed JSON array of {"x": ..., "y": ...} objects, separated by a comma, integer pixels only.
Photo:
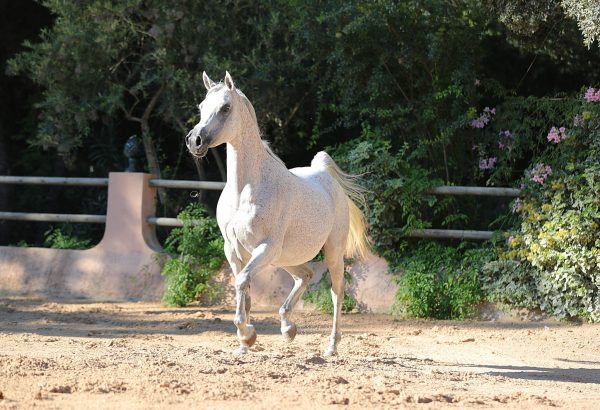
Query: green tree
[{"x": 587, "y": 14}]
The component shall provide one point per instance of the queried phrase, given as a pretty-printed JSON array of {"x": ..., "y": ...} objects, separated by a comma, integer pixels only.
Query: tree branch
[
  {"x": 395, "y": 81},
  {"x": 152, "y": 103}
]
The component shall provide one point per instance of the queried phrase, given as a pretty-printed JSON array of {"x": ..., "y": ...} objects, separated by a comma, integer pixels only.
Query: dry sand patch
[{"x": 79, "y": 354}]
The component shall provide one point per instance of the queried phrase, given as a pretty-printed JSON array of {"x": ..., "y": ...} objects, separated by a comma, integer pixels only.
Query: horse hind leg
[
  {"x": 334, "y": 256},
  {"x": 302, "y": 275}
]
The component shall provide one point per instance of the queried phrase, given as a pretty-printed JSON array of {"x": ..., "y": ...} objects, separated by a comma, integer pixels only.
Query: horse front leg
[
  {"x": 262, "y": 256},
  {"x": 243, "y": 300},
  {"x": 302, "y": 275}
]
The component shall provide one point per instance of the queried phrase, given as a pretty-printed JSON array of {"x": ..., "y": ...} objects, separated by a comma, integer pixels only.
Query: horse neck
[{"x": 245, "y": 157}]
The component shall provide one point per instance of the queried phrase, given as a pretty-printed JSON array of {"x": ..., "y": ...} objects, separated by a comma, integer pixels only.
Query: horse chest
[{"x": 247, "y": 225}]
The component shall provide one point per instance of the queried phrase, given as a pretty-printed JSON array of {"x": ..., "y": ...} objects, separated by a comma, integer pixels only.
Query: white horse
[{"x": 270, "y": 215}]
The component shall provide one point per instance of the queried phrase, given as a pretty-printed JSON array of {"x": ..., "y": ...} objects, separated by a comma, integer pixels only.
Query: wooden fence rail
[
  {"x": 181, "y": 184},
  {"x": 463, "y": 234},
  {"x": 474, "y": 191},
  {"x": 58, "y": 181},
  {"x": 41, "y": 217},
  {"x": 213, "y": 185},
  {"x": 94, "y": 182},
  {"x": 451, "y": 234}
]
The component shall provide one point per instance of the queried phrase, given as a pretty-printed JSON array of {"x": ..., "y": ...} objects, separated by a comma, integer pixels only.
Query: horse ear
[
  {"x": 229, "y": 81},
  {"x": 208, "y": 83}
]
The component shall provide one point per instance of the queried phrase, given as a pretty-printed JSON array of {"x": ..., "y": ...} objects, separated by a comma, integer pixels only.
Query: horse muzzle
[{"x": 197, "y": 142}]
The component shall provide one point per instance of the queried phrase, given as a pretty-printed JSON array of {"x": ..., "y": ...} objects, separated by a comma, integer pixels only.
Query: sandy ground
[{"x": 77, "y": 354}]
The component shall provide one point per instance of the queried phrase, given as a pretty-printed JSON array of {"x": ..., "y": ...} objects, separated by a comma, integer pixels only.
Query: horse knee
[
  {"x": 239, "y": 320},
  {"x": 242, "y": 282},
  {"x": 283, "y": 311}
]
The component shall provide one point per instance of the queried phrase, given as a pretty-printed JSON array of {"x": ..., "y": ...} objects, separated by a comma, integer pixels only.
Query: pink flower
[
  {"x": 557, "y": 136},
  {"x": 487, "y": 163},
  {"x": 484, "y": 119},
  {"x": 592, "y": 95},
  {"x": 540, "y": 173},
  {"x": 480, "y": 122}
]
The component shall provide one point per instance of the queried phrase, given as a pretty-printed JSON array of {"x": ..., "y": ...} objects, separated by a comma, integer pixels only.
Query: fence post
[{"x": 131, "y": 201}]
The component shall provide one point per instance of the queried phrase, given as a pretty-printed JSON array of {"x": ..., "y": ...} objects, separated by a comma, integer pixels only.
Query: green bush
[
  {"x": 395, "y": 185},
  {"x": 558, "y": 241},
  {"x": 510, "y": 283},
  {"x": 319, "y": 294},
  {"x": 196, "y": 254},
  {"x": 64, "y": 238},
  {"x": 441, "y": 282}
]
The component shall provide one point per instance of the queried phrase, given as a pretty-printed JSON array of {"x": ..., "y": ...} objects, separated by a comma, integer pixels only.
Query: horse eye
[{"x": 225, "y": 108}]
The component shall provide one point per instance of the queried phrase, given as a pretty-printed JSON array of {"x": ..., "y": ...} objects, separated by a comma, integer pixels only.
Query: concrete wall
[{"x": 122, "y": 266}]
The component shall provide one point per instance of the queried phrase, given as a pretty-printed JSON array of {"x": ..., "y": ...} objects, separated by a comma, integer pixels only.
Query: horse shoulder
[{"x": 225, "y": 206}]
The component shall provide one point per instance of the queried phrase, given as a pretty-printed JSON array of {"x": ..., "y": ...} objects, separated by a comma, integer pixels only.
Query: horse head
[{"x": 219, "y": 116}]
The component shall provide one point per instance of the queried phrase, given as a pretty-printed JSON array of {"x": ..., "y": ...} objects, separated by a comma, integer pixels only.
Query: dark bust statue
[{"x": 133, "y": 151}]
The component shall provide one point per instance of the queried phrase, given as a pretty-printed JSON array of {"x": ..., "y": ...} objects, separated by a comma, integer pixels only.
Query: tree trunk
[
  {"x": 149, "y": 148},
  {"x": 4, "y": 189}
]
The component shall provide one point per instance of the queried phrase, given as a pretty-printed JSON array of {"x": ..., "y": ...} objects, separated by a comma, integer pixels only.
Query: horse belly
[{"x": 305, "y": 236}]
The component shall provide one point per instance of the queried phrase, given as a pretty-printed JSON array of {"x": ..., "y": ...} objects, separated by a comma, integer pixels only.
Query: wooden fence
[
  {"x": 95, "y": 182},
  {"x": 211, "y": 185}
]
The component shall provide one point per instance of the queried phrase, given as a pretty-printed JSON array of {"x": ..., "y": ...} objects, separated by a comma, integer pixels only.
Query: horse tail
[{"x": 357, "y": 244}]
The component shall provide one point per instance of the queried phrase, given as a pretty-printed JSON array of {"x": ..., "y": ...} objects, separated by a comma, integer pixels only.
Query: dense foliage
[
  {"x": 409, "y": 94},
  {"x": 195, "y": 255},
  {"x": 441, "y": 282},
  {"x": 319, "y": 295},
  {"x": 394, "y": 189},
  {"x": 555, "y": 252}
]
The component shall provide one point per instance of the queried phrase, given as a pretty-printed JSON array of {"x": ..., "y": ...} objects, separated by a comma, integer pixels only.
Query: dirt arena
[{"x": 76, "y": 354}]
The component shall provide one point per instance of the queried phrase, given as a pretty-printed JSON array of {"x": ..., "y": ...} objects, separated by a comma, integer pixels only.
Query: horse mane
[{"x": 267, "y": 146}]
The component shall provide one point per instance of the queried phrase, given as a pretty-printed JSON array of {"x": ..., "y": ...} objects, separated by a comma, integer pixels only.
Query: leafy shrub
[
  {"x": 510, "y": 283},
  {"x": 515, "y": 134},
  {"x": 395, "y": 186},
  {"x": 196, "y": 254},
  {"x": 441, "y": 282},
  {"x": 558, "y": 240},
  {"x": 64, "y": 238},
  {"x": 319, "y": 294}
]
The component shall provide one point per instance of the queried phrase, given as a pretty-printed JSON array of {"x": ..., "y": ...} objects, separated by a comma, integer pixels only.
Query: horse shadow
[
  {"x": 86, "y": 318},
  {"x": 585, "y": 375}
]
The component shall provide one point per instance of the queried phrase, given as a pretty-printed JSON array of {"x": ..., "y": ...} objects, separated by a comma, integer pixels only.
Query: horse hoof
[
  {"x": 241, "y": 350},
  {"x": 289, "y": 332},
  {"x": 331, "y": 351},
  {"x": 248, "y": 341}
]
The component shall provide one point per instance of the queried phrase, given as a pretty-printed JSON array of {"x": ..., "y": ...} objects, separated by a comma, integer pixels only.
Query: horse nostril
[{"x": 198, "y": 141}]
